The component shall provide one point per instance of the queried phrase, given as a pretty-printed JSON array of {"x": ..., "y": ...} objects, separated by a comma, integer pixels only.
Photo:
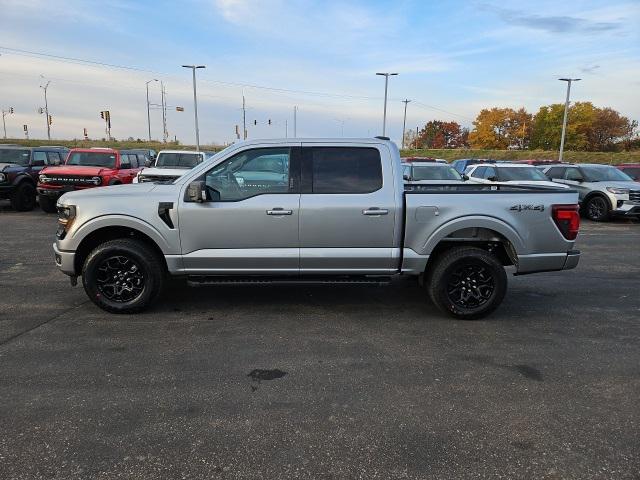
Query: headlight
[
  {"x": 43, "y": 178},
  {"x": 3, "y": 177},
  {"x": 96, "y": 180},
  {"x": 618, "y": 191},
  {"x": 140, "y": 178},
  {"x": 66, "y": 216}
]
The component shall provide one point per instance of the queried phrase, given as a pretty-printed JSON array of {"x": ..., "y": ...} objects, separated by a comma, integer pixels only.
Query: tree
[
  {"x": 501, "y": 128},
  {"x": 589, "y": 128},
  {"x": 439, "y": 134}
]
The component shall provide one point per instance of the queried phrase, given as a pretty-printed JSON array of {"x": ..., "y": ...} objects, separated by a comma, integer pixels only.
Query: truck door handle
[
  {"x": 375, "y": 211},
  {"x": 279, "y": 211}
]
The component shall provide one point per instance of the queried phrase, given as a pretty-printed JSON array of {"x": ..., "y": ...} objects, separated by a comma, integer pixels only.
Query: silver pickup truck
[{"x": 312, "y": 210}]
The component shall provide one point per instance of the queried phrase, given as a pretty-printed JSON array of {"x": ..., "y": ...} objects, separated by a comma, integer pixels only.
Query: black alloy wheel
[
  {"x": 120, "y": 279},
  {"x": 470, "y": 286}
]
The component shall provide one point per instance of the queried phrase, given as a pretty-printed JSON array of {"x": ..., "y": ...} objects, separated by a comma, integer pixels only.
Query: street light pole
[
  {"x": 386, "y": 88},
  {"x": 46, "y": 107},
  {"x": 566, "y": 112},
  {"x": 148, "y": 113},
  {"x": 195, "y": 102},
  {"x": 404, "y": 122}
]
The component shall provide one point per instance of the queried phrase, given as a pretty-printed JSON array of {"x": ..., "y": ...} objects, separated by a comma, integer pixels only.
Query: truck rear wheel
[
  {"x": 123, "y": 276},
  {"x": 467, "y": 282},
  {"x": 47, "y": 204},
  {"x": 24, "y": 197}
]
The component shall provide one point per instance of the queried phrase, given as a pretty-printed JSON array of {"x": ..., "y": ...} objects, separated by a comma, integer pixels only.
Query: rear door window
[
  {"x": 39, "y": 158},
  {"x": 555, "y": 172},
  {"x": 342, "y": 169},
  {"x": 54, "y": 158},
  {"x": 479, "y": 172},
  {"x": 573, "y": 173},
  {"x": 490, "y": 172},
  {"x": 125, "y": 161}
]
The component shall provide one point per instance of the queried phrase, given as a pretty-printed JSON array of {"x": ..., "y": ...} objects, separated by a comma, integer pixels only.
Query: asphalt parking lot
[{"x": 318, "y": 381}]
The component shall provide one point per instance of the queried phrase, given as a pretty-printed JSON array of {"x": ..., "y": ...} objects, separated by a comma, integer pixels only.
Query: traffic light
[
  {"x": 50, "y": 120},
  {"x": 269, "y": 121},
  {"x": 102, "y": 115},
  {"x": 10, "y": 109},
  {"x": 255, "y": 122}
]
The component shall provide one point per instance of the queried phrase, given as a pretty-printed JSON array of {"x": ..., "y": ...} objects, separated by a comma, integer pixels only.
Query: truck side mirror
[
  {"x": 406, "y": 177},
  {"x": 196, "y": 192},
  {"x": 493, "y": 178},
  {"x": 148, "y": 162},
  {"x": 465, "y": 177}
]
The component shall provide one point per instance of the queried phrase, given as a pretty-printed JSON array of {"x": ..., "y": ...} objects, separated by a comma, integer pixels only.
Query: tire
[
  {"x": 597, "y": 209},
  {"x": 24, "y": 197},
  {"x": 133, "y": 264},
  {"x": 471, "y": 272},
  {"x": 47, "y": 204}
]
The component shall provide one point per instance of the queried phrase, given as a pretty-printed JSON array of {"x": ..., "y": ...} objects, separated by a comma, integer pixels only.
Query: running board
[{"x": 204, "y": 280}]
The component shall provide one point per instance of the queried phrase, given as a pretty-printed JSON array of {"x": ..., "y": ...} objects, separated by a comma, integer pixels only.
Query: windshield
[
  {"x": 178, "y": 160},
  {"x": 604, "y": 174},
  {"x": 12, "y": 155},
  {"x": 92, "y": 159},
  {"x": 435, "y": 172},
  {"x": 521, "y": 173}
]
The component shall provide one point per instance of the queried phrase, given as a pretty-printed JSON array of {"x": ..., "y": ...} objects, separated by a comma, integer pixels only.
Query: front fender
[{"x": 72, "y": 241}]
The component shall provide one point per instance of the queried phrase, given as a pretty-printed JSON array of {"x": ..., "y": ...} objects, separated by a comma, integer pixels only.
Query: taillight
[{"x": 567, "y": 219}]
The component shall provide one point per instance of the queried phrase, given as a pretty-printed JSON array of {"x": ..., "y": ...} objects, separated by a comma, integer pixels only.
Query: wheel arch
[
  {"x": 104, "y": 234},
  {"x": 597, "y": 193}
]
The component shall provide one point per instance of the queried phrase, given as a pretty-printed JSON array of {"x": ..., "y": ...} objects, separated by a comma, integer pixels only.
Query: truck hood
[
  {"x": 629, "y": 185},
  {"x": 137, "y": 190},
  {"x": 10, "y": 167},
  {"x": 74, "y": 170}
]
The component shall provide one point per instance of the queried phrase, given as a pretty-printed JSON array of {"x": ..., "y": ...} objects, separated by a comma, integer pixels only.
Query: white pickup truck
[{"x": 312, "y": 210}]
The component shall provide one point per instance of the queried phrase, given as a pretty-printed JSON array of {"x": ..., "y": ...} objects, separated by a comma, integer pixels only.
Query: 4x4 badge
[{"x": 520, "y": 208}]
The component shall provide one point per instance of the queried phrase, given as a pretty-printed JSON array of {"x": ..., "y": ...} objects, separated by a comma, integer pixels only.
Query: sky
[{"x": 453, "y": 58}]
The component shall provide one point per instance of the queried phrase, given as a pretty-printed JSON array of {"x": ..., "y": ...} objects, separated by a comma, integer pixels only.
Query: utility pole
[
  {"x": 148, "y": 113},
  {"x": 295, "y": 121},
  {"x": 165, "y": 134},
  {"x": 46, "y": 107},
  {"x": 244, "y": 118},
  {"x": 195, "y": 102},
  {"x": 566, "y": 112},
  {"x": 404, "y": 122},
  {"x": 386, "y": 76},
  {"x": 4, "y": 114}
]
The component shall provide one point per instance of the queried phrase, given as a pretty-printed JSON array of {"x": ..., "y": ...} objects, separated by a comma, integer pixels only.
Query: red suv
[
  {"x": 631, "y": 169},
  {"x": 87, "y": 168}
]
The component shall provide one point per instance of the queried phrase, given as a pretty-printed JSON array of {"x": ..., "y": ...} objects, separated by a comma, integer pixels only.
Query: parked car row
[
  {"x": 43, "y": 174},
  {"x": 605, "y": 191}
]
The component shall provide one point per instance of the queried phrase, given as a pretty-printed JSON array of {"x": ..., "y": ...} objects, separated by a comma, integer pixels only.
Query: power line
[{"x": 219, "y": 82}]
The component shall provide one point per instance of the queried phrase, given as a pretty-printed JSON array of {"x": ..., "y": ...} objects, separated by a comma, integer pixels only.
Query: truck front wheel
[
  {"x": 123, "y": 276},
  {"x": 467, "y": 282}
]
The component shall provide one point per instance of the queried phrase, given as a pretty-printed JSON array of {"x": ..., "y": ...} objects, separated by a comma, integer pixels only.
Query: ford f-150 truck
[{"x": 312, "y": 211}]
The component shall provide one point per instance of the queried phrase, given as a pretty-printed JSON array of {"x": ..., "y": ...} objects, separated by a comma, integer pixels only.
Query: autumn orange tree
[
  {"x": 501, "y": 128},
  {"x": 439, "y": 134}
]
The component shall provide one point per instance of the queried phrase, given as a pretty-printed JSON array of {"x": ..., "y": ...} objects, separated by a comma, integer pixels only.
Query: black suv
[{"x": 19, "y": 169}]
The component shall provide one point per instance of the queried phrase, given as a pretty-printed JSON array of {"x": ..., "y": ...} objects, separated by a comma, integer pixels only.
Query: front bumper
[
  {"x": 547, "y": 262},
  {"x": 65, "y": 261},
  {"x": 48, "y": 192},
  {"x": 627, "y": 209}
]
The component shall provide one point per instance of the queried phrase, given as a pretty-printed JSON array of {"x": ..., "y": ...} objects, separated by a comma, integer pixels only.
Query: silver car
[{"x": 604, "y": 190}]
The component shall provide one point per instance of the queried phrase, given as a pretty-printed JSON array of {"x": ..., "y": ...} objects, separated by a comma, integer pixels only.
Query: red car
[
  {"x": 631, "y": 169},
  {"x": 87, "y": 168}
]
